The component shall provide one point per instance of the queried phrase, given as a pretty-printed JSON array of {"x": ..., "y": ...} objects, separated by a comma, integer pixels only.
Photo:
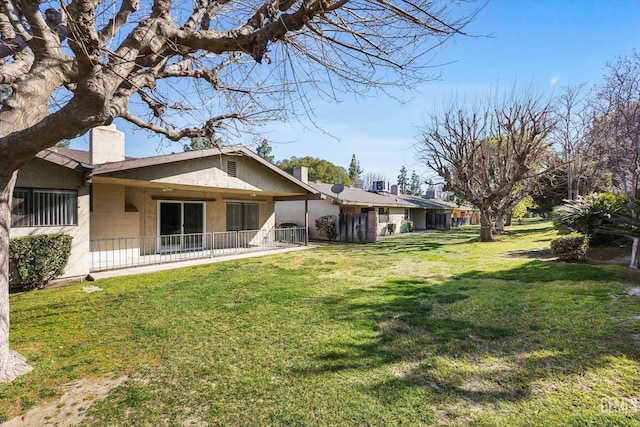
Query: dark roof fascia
[
  {"x": 436, "y": 203},
  {"x": 62, "y": 160},
  {"x": 366, "y": 204}
]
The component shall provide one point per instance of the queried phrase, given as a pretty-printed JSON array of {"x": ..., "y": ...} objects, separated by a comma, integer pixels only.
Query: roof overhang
[
  {"x": 317, "y": 196},
  {"x": 59, "y": 159}
]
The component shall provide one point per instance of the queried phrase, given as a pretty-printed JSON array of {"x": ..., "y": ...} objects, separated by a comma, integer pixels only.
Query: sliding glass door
[{"x": 180, "y": 226}]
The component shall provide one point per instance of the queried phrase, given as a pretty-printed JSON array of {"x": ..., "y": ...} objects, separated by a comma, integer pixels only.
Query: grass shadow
[{"x": 482, "y": 337}]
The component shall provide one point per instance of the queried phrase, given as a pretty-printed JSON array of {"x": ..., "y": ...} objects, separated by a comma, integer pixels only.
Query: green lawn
[{"x": 430, "y": 329}]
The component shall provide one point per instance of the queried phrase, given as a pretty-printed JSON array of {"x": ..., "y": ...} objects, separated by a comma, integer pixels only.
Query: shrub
[
  {"x": 361, "y": 234},
  {"x": 327, "y": 227},
  {"x": 407, "y": 227},
  {"x": 587, "y": 214},
  {"x": 391, "y": 228},
  {"x": 572, "y": 247},
  {"x": 38, "y": 259}
]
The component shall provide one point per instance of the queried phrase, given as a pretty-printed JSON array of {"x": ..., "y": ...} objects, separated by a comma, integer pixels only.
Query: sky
[{"x": 546, "y": 44}]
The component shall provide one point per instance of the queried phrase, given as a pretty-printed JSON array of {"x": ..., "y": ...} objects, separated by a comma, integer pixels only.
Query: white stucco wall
[
  {"x": 419, "y": 218},
  {"x": 45, "y": 175},
  {"x": 396, "y": 216},
  {"x": 211, "y": 172},
  {"x": 294, "y": 212}
]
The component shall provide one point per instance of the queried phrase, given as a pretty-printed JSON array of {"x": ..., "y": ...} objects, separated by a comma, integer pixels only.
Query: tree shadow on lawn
[{"x": 480, "y": 337}]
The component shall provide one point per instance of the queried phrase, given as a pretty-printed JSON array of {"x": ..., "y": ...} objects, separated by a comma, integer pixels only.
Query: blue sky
[{"x": 549, "y": 44}]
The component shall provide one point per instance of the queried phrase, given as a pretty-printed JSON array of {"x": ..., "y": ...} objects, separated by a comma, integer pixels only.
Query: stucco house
[
  {"x": 435, "y": 210},
  {"x": 125, "y": 212},
  {"x": 389, "y": 208}
]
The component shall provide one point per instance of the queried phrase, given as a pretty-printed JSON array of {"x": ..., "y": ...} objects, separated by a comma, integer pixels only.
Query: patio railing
[{"x": 125, "y": 252}]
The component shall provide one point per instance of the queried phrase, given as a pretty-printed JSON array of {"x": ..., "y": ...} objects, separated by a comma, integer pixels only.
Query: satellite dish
[{"x": 337, "y": 189}]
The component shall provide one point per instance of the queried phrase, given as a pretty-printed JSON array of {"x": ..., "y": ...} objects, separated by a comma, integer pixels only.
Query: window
[
  {"x": 242, "y": 216},
  {"x": 407, "y": 214},
  {"x": 38, "y": 207},
  {"x": 383, "y": 214},
  {"x": 181, "y": 225}
]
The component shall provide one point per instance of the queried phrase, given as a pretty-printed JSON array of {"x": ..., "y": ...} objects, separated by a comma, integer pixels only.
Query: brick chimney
[
  {"x": 106, "y": 144},
  {"x": 301, "y": 173}
]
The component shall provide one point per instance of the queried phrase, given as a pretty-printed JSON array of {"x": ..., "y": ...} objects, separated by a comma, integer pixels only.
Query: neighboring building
[
  {"x": 433, "y": 212},
  {"x": 389, "y": 208},
  {"x": 126, "y": 212}
]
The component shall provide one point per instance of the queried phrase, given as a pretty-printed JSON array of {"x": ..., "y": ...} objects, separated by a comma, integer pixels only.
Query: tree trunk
[
  {"x": 500, "y": 222},
  {"x": 12, "y": 364},
  {"x": 486, "y": 226},
  {"x": 635, "y": 253}
]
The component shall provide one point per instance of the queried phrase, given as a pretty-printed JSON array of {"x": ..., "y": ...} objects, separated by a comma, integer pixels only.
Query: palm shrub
[
  {"x": 587, "y": 214},
  {"x": 39, "y": 259},
  {"x": 625, "y": 222}
]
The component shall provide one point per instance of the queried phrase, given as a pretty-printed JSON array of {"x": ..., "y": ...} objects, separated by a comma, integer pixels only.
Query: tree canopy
[
  {"x": 201, "y": 143},
  {"x": 489, "y": 154},
  {"x": 319, "y": 169}
]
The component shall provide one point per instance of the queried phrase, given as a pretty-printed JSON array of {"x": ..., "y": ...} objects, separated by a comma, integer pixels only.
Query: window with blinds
[
  {"x": 383, "y": 214},
  {"x": 44, "y": 207},
  {"x": 242, "y": 216}
]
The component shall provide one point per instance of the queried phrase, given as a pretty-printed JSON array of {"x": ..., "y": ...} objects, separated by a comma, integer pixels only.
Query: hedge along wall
[{"x": 38, "y": 259}]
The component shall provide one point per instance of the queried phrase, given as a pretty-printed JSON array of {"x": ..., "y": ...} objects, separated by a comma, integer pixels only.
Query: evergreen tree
[
  {"x": 264, "y": 151},
  {"x": 355, "y": 172},
  {"x": 403, "y": 180},
  {"x": 65, "y": 143},
  {"x": 415, "y": 185},
  {"x": 202, "y": 143}
]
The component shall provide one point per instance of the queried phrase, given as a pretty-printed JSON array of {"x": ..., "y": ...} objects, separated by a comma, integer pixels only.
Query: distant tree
[
  {"x": 617, "y": 129},
  {"x": 520, "y": 210},
  {"x": 415, "y": 185},
  {"x": 202, "y": 143},
  {"x": 484, "y": 154},
  {"x": 355, "y": 172},
  {"x": 403, "y": 180},
  {"x": 65, "y": 143},
  {"x": 550, "y": 190},
  {"x": 319, "y": 169},
  {"x": 264, "y": 151},
  {"x": 574, "y": 117},
  {"x": 370, "y": 177}
]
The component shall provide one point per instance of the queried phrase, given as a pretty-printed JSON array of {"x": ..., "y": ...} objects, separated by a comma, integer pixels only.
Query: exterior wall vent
[{"x": 232, "y": 168}]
